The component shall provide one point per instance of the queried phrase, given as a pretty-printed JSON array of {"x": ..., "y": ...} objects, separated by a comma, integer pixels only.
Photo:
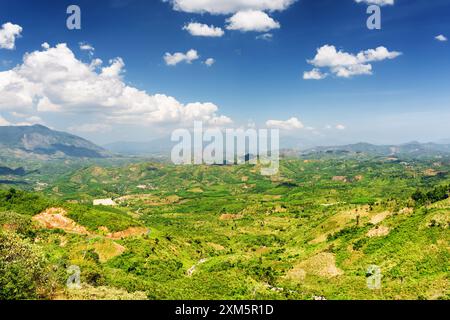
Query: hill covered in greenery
[{"x": 226, "y": 232}]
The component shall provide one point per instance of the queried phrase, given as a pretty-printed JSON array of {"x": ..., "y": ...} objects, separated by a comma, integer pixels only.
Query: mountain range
[
  {"x": 43, "y": 143},
  {"x": 413, "y": 149}
]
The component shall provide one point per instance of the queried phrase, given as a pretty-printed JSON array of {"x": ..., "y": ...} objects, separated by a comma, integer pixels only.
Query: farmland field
[{"x": 226, "y": 232}]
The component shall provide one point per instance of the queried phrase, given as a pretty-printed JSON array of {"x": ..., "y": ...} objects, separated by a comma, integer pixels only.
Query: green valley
[{"x": 226, "y": 232}]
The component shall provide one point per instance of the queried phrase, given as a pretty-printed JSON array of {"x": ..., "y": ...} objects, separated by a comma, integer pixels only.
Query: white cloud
[
  {"x": 441, "y": 37},
  {"x": 252, "y": 20},
  {"x": 378, "y": 54},
  {"x": 26, "y": 117},
  {"x": 4, "y": 122},
  {"x": 203, "y": 30},
  {"x": 377, "y": 2},
  {"x": 346, "y": 65},
  {"x": 45, "y": 46},
  {"x": 114, "y": 70},
  {"x": 265, "y": 36},
  {"x": 8, "y": 34},
  {"x": 95, "y": 63},
  {"x": 176, "y": 58},
  {"x": 45, "y": 105},
  {"x": 229, "y": 6},
  {"x": 55, "y": 81},
  {"x": 28, "y": 121},
  {"x": 87, "y": 47},
  {"x": 209, "y": 62},
  {"x": 291, "y": 124},
  {"x": 314, "y": 74},
  {"x": 340, "y": 127}
]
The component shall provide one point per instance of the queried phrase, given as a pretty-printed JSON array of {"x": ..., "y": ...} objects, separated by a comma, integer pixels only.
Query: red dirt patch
[{"x": 55, "y": 218}]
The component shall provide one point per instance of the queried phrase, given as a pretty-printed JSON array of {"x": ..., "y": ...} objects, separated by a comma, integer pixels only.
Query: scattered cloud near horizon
[
  {"x": 346, "y": 65},
  {"x": 291, "y": 124},
  {"x": 8, "y": 34}
]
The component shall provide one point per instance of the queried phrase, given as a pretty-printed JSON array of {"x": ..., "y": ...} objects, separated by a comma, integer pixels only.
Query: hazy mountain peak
[{"x": 38, "y": 140}]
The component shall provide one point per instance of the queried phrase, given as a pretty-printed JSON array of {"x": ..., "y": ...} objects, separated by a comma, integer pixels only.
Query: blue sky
[{"x": 405, "y": 97}]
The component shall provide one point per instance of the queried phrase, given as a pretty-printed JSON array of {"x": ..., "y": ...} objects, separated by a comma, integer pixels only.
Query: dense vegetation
[
  {"x": 226, "y": 232},
  {"x": 437, "y": 194}
]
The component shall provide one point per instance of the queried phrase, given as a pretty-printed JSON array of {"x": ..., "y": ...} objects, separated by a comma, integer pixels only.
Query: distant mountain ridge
[
  {"x": 41, "y": 142},
  {"x": 163, "y": 146},
  {"x": 410, "y": 149}
]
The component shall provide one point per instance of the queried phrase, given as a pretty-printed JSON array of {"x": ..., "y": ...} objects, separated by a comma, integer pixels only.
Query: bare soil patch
[
  {"x": 380, "y": 231},
  {"x": 55, "y": 218}
]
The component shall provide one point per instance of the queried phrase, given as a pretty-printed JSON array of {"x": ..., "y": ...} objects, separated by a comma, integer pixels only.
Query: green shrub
[
  {"x": 22, "y": 202},
  {"x": 23, "y": 270},
  {"x": 18, "y": 222}
]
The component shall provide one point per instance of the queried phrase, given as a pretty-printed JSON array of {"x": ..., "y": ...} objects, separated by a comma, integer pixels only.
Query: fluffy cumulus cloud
[
  {"x": 441, "y": 38},
  {"x": 377, "y": 2},
  {"x": 8, "y": 34},
  {"x": 229, "y": 6},
  {"x": 291, "y": 124},
  {"x": 346, "y": 65},
  {"x": 252, "y": 20},
  {"x": 178, "y": 57},
  {"x": 203, "y": 30},
  {"x": 55, "y": 81},
  {"x": 314, "y": 74}
]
